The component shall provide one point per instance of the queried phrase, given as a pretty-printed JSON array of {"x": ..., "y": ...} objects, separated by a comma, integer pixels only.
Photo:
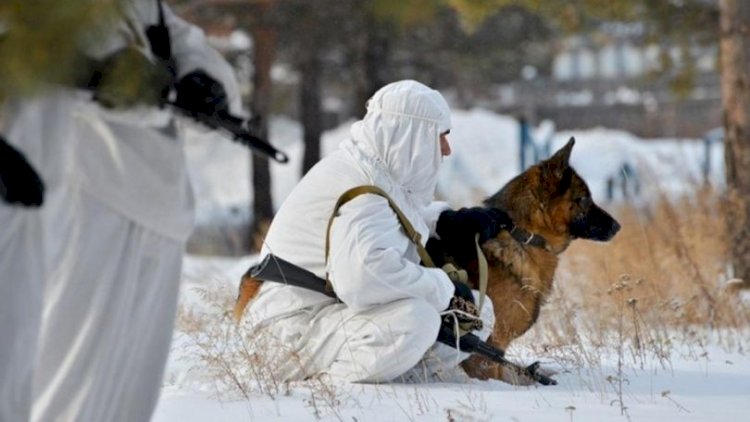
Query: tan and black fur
[{"x": 551, "y": 200}]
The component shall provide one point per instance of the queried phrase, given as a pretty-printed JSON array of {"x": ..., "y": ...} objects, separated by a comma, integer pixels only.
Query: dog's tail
[{"x": 248, "y": 289}]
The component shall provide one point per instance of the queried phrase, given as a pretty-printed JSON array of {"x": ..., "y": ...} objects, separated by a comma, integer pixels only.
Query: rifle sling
[{"x": 411, "y": 233}]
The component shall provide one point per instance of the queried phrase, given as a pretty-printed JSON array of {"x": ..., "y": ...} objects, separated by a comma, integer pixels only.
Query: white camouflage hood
[{"x": 398, "y": 139}]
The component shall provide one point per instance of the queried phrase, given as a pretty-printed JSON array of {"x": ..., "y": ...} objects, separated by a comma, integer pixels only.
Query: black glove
[
  {"x": 458, "y": 228},
  {"x": 128, "y": 78},
  {"x": 466, "y": 222},
  {"x": 199, "y": 93},
  {"x": 19, "y": 183},
  {"x": 463, "y": 291}
]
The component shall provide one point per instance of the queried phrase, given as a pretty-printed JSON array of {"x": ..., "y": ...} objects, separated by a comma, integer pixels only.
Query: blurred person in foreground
[
  {"x": 390, "y": 307},
  {"x": 96, "y": 209}
]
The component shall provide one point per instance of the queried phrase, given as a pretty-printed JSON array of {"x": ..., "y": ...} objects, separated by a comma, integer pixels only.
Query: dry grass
[
  {"x": 657, "y": 289},
  {"x": 241, "y": 360},
  {"x": 229, "y": 354},
  {"x": 667, "y": 263}
]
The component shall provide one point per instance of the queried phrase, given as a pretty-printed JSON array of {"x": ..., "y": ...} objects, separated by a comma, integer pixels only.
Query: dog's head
[{"x": 551, "y": 199}]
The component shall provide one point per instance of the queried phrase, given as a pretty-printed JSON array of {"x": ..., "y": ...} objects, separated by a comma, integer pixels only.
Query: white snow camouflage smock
[
  {"x": 373, "y": 266},
  {"x": 89, "y": 281}
]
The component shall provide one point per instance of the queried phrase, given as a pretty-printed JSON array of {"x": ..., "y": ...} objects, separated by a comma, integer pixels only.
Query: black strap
[
  {"x": 522, "y": 236},
  {"x": 161, "y": 13},
  {"x": 160, "y": 42},
  {"x": 528, "y": 238}
]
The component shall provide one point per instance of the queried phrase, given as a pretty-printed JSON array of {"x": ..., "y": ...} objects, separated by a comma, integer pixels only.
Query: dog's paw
[
  {"x": 530, "y": 375},
  {"x": 517, "y": 376}
]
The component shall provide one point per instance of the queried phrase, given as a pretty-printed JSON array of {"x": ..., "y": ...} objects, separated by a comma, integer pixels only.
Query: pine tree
[{"x": 40, "y": 41}]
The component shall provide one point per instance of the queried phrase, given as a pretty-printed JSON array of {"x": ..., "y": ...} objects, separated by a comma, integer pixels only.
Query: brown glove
[{"x": 465, "y": 311}]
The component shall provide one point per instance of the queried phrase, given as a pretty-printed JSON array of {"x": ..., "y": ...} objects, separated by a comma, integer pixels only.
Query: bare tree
[
  {"x": 264, "y": 51},
  {"x": 313, "y": 35},
  {"x": 258, "y": 17},
  {"x": 312, "y": 114},
  {"x": 735, "y": 85}
]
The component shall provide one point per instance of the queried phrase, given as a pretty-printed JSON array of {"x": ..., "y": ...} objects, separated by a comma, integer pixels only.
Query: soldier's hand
[
  {"x": 19, "y": 182},
  {"x": 462, "y": 309},
  {"x": 200, "y": 93},
  {"x": 466, "y": 222},
  {"x": 457, "y": 230},
  {"x": 465, "y": 312}
]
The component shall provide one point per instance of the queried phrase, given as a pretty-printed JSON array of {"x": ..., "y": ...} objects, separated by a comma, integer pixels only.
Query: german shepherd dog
[{"x": 550, "y": 205}]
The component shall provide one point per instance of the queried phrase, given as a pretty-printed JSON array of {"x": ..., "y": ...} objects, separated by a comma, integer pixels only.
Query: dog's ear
[
  {"x": 556, "y": 171},
  {"x": 561, "y": 158},
  {"x": 557, "y": 165}
]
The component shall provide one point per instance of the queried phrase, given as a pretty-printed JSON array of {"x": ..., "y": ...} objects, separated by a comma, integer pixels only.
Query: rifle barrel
[{"x": 233, "y": 126}]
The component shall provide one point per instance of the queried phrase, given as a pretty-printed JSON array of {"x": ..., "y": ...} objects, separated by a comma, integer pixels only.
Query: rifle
[
  {"x": 161, "y": 47},
  {"x": 273, "y": 268},
  {"x": 234, "y": 127},
  {"x": 231, "y": 125}
]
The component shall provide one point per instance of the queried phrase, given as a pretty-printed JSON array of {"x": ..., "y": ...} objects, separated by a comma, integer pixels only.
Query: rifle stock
[{"x": 273, "y": 268}]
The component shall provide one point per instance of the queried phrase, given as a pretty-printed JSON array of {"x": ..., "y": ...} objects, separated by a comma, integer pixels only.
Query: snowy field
[{"x": 691, "y": 375}]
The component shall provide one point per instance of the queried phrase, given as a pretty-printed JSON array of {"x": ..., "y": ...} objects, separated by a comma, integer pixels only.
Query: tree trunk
[
  {"x": 264, "y": 37},
  {"x": 375, "y": 61},
  {"x": 735, "y": 86},
  {"x": 311, "y": 109}
]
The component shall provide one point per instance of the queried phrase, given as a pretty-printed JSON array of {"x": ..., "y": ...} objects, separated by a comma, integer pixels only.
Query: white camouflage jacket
[{"x": 372, "y": 262}]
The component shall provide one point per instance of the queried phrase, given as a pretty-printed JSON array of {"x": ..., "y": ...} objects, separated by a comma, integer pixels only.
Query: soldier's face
[{"x": 445, "y": 146}]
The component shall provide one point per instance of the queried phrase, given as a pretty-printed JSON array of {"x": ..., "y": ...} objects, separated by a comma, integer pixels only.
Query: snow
[
  {"x": 690, "y": 393},
  {"x": 706, "y": 382}
]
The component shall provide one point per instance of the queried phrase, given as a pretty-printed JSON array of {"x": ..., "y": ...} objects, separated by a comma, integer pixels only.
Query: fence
[{"x": 646, "y": 109}]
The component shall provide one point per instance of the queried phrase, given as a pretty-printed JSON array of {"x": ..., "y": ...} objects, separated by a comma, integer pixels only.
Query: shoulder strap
[
  {"x": 410, "y": 232},
  {"x": 160, "y": 42},
  {"x": 407, "y": 226}
]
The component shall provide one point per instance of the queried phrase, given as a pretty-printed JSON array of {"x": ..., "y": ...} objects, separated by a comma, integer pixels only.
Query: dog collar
[{"x": 527, "y": 238}]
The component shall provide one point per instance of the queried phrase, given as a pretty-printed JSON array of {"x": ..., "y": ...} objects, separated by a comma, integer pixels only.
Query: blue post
[
  {"x": 524, "y": 141},
  {"x": 707, "y": 160}
]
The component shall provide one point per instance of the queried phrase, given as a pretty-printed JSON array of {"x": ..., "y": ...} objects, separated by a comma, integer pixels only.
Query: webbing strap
[
  {"x": 483, "y": 272},
  {"x": 411, "y": 233}
]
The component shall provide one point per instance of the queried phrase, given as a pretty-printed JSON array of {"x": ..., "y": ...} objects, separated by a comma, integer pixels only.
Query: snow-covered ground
[
  {"x": 697, "y": 382},
  {"x": 710, "y": 389},
  {"x": 702, "y": 382}
]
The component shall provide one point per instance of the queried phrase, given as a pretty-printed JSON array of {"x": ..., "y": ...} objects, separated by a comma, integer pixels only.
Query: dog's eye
[{"x": 583, "y": 201}]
